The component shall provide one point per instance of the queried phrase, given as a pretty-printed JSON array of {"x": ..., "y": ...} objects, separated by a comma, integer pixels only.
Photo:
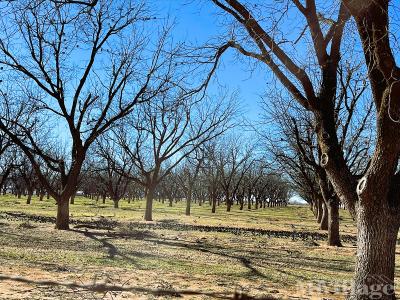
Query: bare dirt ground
[{"x": 118, "y": 257}]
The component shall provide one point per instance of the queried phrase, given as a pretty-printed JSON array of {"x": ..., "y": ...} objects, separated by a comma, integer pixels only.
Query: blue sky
[{"x": 197, "y": 22}]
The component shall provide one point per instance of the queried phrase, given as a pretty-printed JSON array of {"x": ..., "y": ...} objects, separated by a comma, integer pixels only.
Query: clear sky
[{"x": 197, "y": 22}]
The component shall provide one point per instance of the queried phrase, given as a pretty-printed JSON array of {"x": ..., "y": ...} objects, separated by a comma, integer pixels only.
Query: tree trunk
[
  {"x": 72, "y": 199},
  {"x": 324, "y": 218},
  {"x": 104, "y": 198},
  {"x": 333, "y": 223},
  {"x": 28, "y": 200},
  {"x": 148, "y": 215},
  {"x": 41, "y": 196},
  {"x": 214, "y": 202},
  {"x": 319, "y": 210},
  {"x": 228, "y": 205},
  {"x": 62, "y": 220},
  {"x": 116, "y": 203},
  {"x": 241, "y": 204},
  {"x": 376, "y": 250},
  {"x": 188, "y": 202}
]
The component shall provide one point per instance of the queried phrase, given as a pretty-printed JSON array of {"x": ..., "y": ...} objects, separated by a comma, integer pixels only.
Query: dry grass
[{"x": 38, "y": 262}]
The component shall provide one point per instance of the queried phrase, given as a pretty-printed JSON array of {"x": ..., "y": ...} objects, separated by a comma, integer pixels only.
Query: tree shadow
[
  {"x": 112, "y": 250},
  {"x": 105, "y": 288},
  {"x": 271, "y": 259}
]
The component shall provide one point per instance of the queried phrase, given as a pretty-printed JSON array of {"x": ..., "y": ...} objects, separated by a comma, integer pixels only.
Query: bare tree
[
  {"x": 211, "y": 173},
  {"x": 111, "y": 176},
  {"x": 164, "y": 132},
  {"x": 375, "y": 209},
  {"x": 76, "y": 70},
  {"x": 234, "y": 160},
  {"x": 187, "y": 176},
  {"x": 297, "y": 140}
]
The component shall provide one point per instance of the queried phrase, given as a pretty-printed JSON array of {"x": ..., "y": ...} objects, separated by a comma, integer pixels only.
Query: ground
[{"x": 272, "y": 253}]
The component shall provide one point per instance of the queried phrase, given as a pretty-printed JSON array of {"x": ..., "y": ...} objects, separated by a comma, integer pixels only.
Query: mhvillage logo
[
  {"x": 375, "y": 287},
  {"x": 371, "y": 287}
]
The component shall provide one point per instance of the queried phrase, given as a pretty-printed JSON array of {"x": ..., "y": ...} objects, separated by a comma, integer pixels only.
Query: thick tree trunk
[
  {"x": 62, "y": 220},
  {"x": 148, "y": 215},
  {"x": 324, "y": 218},
  {"x": 72, "y": 199},
  {"x": 333, "y": 223},
  {"x": 376, "y": 250}
]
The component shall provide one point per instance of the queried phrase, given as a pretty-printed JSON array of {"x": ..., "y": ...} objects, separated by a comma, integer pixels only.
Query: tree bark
[
  {"x": 228, "y": 201},
  {"x": 324, "y": 216},
  {"x": 148, "y": 215},
  {"x": 214, "y": 202},
  {"x": 333, "y": 223},
  {"x": 318, "y": 204},
  {"x": 376, "y": 250},
  {"x": 28, "y": 200},
  {"x": 116, "y": 203},
  {"x": 62, "y": 220},
  {"x": 188, "y": 202},
  {"x": 72, "y": 199}
]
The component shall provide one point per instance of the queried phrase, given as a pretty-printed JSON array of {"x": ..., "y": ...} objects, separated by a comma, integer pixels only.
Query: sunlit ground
[{"x": 267, "y": 253}]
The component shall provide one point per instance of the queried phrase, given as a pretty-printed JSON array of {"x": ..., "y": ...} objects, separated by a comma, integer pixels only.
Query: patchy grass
[
  {"x": 38, "y": 262},
  {"x": 279, "y": 218}
]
